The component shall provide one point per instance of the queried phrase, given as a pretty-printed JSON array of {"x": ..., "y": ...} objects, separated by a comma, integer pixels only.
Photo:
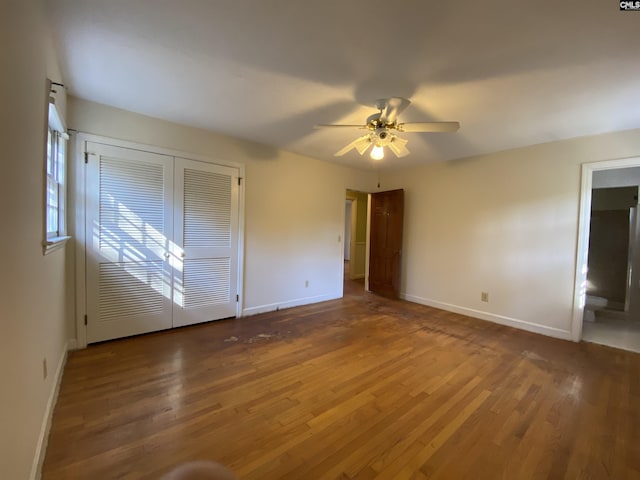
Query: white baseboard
[
  {"x": 491, "y": 317},
  {"x": 41, "y": 447},
  {"x": 288, "y": 304}
]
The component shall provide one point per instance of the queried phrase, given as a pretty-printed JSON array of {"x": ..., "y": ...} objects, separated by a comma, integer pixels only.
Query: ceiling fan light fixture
[
  {"x": 382, "y": 127},
  {"x": 377, "y": 152}
]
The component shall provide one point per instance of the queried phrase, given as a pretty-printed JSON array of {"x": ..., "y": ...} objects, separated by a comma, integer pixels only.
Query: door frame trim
[
  {"x": 367, "y": 247},
  {"x": 78, "y": 204},
  {"x": 584, "y": 220}
]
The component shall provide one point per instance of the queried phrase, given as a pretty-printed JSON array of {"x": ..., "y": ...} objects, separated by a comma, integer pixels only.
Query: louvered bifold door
[
  {"x": 206, "y": 237},
  {"x": 129, "y": 231}
]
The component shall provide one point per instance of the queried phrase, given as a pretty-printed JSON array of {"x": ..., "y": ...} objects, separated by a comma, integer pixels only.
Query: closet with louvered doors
[{"x": 161, "y": 241}]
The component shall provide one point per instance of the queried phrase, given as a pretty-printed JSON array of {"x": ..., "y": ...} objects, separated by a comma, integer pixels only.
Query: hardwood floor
[{"x": 362, "y": 387}]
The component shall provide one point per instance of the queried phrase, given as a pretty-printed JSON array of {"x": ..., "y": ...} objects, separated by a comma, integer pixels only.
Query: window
[{"x": 55, "y": 185}]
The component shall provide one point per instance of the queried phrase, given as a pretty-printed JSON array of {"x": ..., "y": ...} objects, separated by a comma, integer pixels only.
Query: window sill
[{"x": 54, "y": 243}]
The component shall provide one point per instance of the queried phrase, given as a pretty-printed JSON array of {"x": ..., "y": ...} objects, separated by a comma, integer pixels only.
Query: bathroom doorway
[
  {"x": 355, "y": 235},
  {"x": 611, "y": 283}
]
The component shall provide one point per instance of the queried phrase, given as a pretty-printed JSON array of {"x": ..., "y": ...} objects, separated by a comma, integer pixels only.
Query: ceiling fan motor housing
[{"x": 382, "y": 137}]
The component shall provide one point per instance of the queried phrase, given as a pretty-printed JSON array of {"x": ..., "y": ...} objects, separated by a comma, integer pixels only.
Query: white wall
[
  {"x": 33, "y": 287},
  {"x": 504, "y": 223},
  {"x": 294, "y": 214}
]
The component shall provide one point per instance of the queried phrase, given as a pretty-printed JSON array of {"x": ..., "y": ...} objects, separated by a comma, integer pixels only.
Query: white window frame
[{"x": 55, "y": 184}]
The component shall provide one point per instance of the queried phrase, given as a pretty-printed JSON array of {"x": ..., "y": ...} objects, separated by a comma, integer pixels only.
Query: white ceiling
[{"x": 513, "y": 73}]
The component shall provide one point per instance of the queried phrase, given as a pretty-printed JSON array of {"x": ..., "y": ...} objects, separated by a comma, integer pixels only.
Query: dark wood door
[{"x": 385, "y": 254}]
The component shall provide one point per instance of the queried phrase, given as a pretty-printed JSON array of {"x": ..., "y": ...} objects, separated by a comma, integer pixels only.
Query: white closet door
[
  {"x": 205, "y": 258},
  {"x": 129, "y": 229}
]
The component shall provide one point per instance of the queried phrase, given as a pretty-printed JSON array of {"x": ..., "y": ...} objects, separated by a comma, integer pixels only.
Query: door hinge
[
  {"x": 237, "y": 298},
  {"x": 86, "y": 157},
  {"x": 239, "y": 181},
  {"x": 85, "y": 319}
]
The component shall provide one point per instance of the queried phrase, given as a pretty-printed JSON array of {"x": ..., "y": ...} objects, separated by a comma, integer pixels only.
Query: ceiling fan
[{"x": 382, "y": 127}]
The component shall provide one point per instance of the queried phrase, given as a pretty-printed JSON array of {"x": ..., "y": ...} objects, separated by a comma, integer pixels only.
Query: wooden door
[
  {"x": 385, "y": 254},
  {"x": 128, "y": 231},
  {"x": 205, "y": 250}
]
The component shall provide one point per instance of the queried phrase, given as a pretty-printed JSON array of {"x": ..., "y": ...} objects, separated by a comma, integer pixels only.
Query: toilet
[{"x": 593, "y": 303}]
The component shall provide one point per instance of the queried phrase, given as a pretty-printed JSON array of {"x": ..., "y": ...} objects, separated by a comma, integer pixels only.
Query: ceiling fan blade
[
  {"x": 326, "y": 125},
  {"x": 398, "y": 147},
  {"x": 361, "y": 144},
  {"x": 393, "y": 107},
  {"x": 433, "y": 127}
]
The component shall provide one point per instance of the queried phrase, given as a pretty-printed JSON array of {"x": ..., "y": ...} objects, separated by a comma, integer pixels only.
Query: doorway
[
  {"x": 608, "y": 277},
  {"x": 355, "y": 240}
]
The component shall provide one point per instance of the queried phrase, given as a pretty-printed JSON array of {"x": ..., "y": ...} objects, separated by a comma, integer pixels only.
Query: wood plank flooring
[{"x": 362, "y": 387}]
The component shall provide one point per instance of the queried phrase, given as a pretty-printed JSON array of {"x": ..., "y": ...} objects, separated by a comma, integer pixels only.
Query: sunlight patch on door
[
  {"x": 206, "y": 282},
  {"x": 130, "y": 289}
]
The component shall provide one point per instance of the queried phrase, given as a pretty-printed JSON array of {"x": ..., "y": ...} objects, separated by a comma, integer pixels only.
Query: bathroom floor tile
[{"x": 614, "y": 329}]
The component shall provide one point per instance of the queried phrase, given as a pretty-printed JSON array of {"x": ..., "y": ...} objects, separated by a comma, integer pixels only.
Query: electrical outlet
[
  {"x": 306, "y": 284},
  {"x": 484, "y": 296},
  {"x": 44, "y": 368}
]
